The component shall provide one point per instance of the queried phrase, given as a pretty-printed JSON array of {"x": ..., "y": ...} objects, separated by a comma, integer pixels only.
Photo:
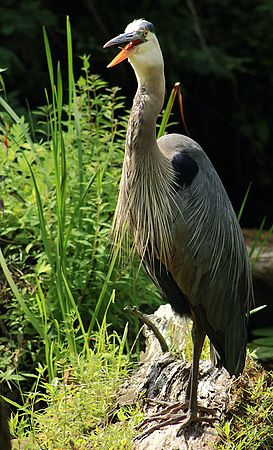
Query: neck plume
[{"x": 145, "y": 197}]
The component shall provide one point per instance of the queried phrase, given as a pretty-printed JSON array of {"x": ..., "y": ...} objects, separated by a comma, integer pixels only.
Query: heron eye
[{"x": 145, "y": 33}]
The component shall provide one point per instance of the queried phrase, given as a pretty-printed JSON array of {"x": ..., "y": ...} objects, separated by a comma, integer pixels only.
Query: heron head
[{"x": 140, "y": 44}]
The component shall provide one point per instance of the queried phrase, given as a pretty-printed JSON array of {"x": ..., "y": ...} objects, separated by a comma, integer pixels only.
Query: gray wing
[{"x": 210, "y": 263}]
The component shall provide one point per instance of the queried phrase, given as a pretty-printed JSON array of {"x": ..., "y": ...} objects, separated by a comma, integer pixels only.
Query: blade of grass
[
  {"x": 257, "y": 238},
  {"x": 2, "y": 83},
  {"x": 255, "y": 310},
  {"x": 167, "y": 113},
  {"x": 79, "y": 145},
  {"x": 59, "y": 94},
  {"x": 70, "y": 68},
  {"x": 100, "y": 344},
  {"x": 176, "y": 91},
  {"x": 103, "y": 289},
  {"x": 76, "y": 210},
  {"x": 49, "y": 354},
  {"x": 49, "y": 60},
  {"x": 243, "y": 203},
  {"x": 263, "y": 243},
  {"x": 36, "y": 324},
  {"x": 76, "y": 310},
  {"x": 43, "y": 230},
  {"x": 122, "y": 343},
  {"x": 60, "y": 169}
]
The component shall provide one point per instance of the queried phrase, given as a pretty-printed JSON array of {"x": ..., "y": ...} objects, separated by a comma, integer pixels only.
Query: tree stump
[{"x": 162, "y": 379}]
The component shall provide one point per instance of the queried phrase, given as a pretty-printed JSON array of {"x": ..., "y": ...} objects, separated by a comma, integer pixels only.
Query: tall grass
[
  {"x": 61, "y": 204},
  {"x": 66, "y": 183}
]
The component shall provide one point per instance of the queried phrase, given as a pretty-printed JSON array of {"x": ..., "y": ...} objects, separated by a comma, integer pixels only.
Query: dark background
[{"x": 220, "y": 50}]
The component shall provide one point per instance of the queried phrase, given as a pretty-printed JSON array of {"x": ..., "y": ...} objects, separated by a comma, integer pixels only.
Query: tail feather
[{"x": 235, "y": 345}]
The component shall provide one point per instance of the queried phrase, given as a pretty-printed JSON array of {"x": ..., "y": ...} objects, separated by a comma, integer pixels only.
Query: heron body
[{"x": 181, "y": 219}]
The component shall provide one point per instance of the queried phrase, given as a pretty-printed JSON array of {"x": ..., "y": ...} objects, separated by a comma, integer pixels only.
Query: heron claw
[
  {"x": 170, "y": 416},
  {"x": 191, "y": 418}
]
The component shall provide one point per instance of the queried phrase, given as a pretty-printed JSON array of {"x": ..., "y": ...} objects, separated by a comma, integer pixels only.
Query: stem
[{"x": 145, "y": 319}]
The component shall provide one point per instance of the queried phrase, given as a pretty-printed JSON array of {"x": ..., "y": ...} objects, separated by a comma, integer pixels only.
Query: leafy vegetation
[
  {"x": 262, "y": 344},
  {"x": 250, "y": 423},
  {"x": 60, "y": 180},
  {"x": 60, "y": 183},
  {"x": 81, "y": 410}
]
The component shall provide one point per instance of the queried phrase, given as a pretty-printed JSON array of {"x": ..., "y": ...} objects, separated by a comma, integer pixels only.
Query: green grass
[
  {"x": 250, "y": 412},
  {"x": 60, "y": 182},
  {"x": 81, "y": 403}
]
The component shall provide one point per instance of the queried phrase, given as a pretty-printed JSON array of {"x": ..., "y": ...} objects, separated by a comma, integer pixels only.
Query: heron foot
[
  {"x": 170, "y": 415},
  {"x": 171, "y": 407},
  {"x": 193, "y": 418}
]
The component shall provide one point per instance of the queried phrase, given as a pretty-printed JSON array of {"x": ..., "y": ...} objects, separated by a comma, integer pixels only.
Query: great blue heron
[{"x": 181, "y": 219}]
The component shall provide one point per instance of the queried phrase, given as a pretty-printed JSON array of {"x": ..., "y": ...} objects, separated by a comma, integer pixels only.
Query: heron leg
[
  {"x": 198, "y": 337},
  {"x": 175, "y": 413}
]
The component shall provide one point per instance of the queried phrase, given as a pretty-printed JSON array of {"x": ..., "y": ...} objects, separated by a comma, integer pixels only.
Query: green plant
[
  {"x": 262, "y": 344},
  {"x": 81, "y": 400},
  {"x": 60, "y": 180},
  {"x": 250, "y": 416}
]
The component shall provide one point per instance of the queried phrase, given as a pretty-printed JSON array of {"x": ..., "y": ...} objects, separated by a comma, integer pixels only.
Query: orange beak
[
  {"x": 131, "y": 39},
  {"x": 121, "y": 56}
]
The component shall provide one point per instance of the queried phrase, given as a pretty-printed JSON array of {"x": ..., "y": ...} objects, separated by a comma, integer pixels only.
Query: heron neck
[
  {"x": 141, "y": 135},
  {"x": 145, "y": 194}
]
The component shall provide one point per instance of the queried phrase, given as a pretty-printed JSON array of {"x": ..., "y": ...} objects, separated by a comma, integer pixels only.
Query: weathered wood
[
  {"x": 162, "y": 379},
  {"x": 262, "y": 257}
]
